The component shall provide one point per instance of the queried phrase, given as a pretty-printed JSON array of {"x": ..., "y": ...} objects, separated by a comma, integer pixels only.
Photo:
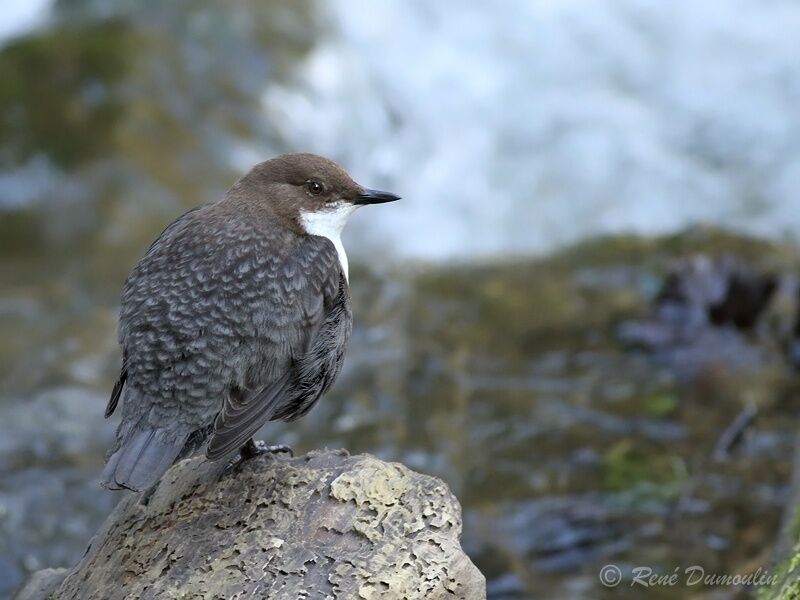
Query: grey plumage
[
  {"x": 235, "y": 316},
  {"x": 142, "y": 457}
]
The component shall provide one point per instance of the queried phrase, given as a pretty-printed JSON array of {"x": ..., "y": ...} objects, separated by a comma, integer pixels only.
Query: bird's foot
[
  {"x": 256, "y": 448},
  {"x": 252, "y": 449}
]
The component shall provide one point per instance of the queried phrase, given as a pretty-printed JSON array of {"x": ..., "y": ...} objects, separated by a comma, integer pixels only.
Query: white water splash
[
  {"x": 517, "y": 126},
  {"x": 18, "y": 17}
]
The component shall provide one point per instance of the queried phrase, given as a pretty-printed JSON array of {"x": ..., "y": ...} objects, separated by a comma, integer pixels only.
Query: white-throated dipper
[{"x": 238, "y": 314}]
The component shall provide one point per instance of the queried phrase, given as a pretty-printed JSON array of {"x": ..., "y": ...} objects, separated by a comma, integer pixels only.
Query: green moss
[
  {"x": 507, "y": 308},
  {"x": 788, "y": 572},
  {"x": 512, "y": 307},
  {"x": 788, "y": 584},
  {"x": 57, "y": 92},
  {"x": 660, "y": 405},
  {"x": 20, "y": 230},
  {"x": 641, "y": 475},
  {"x": 656, "y": 251}
]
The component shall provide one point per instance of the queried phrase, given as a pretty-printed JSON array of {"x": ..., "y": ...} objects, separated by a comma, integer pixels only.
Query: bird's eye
[{"x": 314, "y": 187}]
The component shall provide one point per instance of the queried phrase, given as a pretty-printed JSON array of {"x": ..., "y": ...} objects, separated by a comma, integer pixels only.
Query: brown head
[{"x": 307, "y": 192}]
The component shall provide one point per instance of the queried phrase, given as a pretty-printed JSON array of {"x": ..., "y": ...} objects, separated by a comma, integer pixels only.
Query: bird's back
[{"x": 220, "y": 303}]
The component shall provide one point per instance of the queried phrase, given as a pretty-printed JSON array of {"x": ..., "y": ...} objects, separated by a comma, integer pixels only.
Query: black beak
[{"x": 375, "y": 197}]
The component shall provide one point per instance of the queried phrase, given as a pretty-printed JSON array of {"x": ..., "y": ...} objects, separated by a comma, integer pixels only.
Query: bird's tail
[{"x": 141, "y": 458}]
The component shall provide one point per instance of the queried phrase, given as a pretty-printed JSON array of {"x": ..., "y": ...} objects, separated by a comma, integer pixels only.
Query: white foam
[
  {"x": 20, "y": 16},
  {"x": 522, "y": 127}
]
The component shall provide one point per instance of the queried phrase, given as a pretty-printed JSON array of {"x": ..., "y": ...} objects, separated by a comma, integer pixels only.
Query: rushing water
[
  {"x": 508, "y": 128},
  {"x": 517, "y": 126},
  {"x": 508, "y": 131}
]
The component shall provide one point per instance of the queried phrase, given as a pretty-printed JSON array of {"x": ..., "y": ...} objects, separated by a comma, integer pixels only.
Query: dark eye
[{"x": 314, "y": 187}]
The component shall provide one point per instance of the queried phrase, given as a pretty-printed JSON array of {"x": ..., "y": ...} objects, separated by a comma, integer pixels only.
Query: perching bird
[{"x": 238, "y": 314}]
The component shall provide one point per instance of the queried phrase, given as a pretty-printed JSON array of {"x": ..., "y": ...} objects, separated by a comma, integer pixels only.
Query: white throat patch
[{"x": 329, "y": 222}]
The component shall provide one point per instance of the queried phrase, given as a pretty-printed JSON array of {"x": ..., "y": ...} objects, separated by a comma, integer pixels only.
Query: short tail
[{"x": 141, "y": 459}]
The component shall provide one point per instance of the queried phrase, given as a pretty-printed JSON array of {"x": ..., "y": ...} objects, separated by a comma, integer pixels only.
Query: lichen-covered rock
[{"x": 323, "y": 526}]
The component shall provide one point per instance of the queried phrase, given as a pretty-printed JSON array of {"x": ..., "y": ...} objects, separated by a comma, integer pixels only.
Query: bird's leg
[
  {"x": 254, "y": 448},
  {"x": 251, "y": 449}
]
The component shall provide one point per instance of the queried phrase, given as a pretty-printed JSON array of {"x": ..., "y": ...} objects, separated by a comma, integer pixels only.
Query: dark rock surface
[
  {"x": 703, "y": 313},
  {"x": 323, "y": 526}
]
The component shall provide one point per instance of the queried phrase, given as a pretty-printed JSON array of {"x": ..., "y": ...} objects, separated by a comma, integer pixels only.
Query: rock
[
  {"x": 323, "y": 526},
  {"x": 746, "y": 297},
  {"x": 701, "y": 291},
  {"x": 42, "y": 584},
  {"x": 700, "y": 315}
]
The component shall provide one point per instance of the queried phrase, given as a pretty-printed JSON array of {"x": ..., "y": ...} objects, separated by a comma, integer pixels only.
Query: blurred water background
[{"x": 530, "y": 142}]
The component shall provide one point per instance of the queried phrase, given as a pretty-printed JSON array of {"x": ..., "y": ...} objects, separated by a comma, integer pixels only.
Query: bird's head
[{"x": 312, "y": 193}]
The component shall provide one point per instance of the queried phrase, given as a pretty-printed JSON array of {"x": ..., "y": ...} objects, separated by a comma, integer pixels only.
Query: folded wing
[{"x": 309, "y": 337}]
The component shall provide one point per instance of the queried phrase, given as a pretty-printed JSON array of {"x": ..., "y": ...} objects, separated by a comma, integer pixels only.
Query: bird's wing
[
  {"x": 309, "y": 309},
  {"x": 115, "y": 393},
  {"x": 316, "y": 370},
  {"x": 243, "y": 414},
  {"x": 195, "y": 316}
]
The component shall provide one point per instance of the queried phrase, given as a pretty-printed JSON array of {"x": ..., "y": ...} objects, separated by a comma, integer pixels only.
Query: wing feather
[
  {"x": 312, "y": 292},
  {"x": 115, "y": 393},
  {"x": 242, "y": 416}
]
